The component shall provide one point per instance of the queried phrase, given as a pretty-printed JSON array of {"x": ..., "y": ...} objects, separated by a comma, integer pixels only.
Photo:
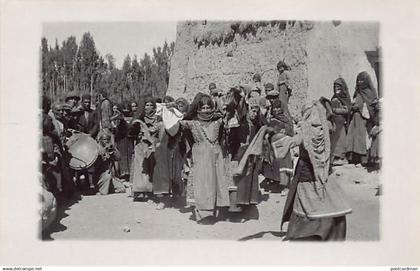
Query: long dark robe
[
  {"x": 170, "y": 159},
  {"x": 144, "y": 162},
  {"x": 341, "y": 105},
  {"x": 359, "y": 127},
  {"x": 340, "y": 119},
  {"x": 357, "y": 132},
  {"x": 208, "y": 172},
  {"x": 247, "y": 184},
  {"x": 331, "y": 228},
  {"x": 367, "y": 91},
  {"x": 285, "y": 92},
  {"x": 125, "y": 147},
  {"x": 374, "y": 151},
  {"x": 232, "y": 137},
  {"x": 279, "y": 169}
]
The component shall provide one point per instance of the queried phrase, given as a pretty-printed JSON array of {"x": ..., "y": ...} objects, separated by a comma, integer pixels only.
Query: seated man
[{"x": 105, "y": 167}]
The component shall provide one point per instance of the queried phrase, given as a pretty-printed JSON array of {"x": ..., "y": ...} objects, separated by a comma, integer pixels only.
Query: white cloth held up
[{"x": 171, "y": 120}]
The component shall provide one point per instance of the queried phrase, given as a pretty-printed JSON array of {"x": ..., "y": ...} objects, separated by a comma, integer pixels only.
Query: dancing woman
[
  {"x": 315, "y": 207},
  {"x": 210, "y": 185}
]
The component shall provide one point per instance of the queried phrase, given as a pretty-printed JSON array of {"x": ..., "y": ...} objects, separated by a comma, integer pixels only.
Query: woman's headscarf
[
  {"x": 151, "y": 116},
  {"x": 206, "y": 116},
  {"x": 344, "y": 95},
  {"x": 256, "y": 77},
  {"x": 281, "y": 63},
  {"x": 282, "y": 117},
  {"x": 316, "y": 139},
  {"x": 194, "y": 111},
  {"x": 365, "y": 88},
  {"x": 259, "y": 121},
  {"x": 168, "y": 99},
  {"x": 118, "y": 108},
  {"x": 138, "y": 112},
  {"x": 184, "y": 102}
]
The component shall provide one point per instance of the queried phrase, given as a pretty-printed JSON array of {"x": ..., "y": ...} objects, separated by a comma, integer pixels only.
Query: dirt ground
[{"x": 90, "y": 217}]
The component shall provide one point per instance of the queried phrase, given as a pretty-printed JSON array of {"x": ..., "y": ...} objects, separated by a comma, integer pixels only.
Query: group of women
[
  {"x": 216, "y": 155},
  {"x": 355, "y": 136},
  {"x": 212, "y": 156}
]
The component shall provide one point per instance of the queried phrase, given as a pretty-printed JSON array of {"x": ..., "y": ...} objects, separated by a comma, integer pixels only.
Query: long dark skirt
[
  {"x": 356, "y": 148},
  {"x": 279, "y": 165},
  {"x": 126, "y": 148},
  {"x": 248, "y": 186},
  {"x": 167, "y": 173},
  {"x": 374, "y": 151},
  {"x": 303, "y": 228},
  {"x": 338, "y": 142},
  {"x": 322, "y": 229}
]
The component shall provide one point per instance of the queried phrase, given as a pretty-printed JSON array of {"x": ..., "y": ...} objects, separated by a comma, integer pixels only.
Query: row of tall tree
[{"x": 80, "y": 68}]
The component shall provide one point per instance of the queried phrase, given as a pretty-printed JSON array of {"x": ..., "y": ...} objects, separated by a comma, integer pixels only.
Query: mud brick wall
[{"x": 229, "y": 53}]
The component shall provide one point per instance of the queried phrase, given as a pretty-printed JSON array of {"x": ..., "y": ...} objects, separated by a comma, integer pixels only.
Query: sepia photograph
[{"x": 236, "y": 130}]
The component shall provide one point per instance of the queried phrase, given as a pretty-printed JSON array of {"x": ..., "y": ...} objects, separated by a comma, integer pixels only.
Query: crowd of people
[{"x": 213, "y": 156}]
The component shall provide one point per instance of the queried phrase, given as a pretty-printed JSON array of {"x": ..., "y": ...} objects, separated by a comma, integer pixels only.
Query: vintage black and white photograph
[
  {"x": 208, "y": 129},
  {"x": 221, "y": 133}
]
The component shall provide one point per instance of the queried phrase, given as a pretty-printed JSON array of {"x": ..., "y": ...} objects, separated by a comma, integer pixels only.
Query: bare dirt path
[{"x": 104, "y": 217}]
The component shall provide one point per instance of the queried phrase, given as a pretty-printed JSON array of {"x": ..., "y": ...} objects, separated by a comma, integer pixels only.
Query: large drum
[{"x": 83, "y": 151}]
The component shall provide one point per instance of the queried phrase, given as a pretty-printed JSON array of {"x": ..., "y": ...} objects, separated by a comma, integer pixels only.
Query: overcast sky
[{"x": 117, "y": 38}]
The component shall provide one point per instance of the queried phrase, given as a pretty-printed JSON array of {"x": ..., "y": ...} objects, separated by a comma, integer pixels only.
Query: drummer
[
  {"x": 72, "y": 99},
  {"x": 82, "y": 151},
  {"x": 87, "y": 121}
]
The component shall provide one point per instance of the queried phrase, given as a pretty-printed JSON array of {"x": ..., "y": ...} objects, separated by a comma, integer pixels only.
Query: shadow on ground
[
  {"x": 56, "y": 226},
  {"x": 279, "y": 234}
]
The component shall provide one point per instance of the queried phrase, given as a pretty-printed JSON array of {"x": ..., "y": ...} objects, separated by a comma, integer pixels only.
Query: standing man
[
  {"x": 212, "y": 88},
  {"x": 85, "y": 120},
  {"x": 105, "y": 112},
  {"x": 256, "y": 79},
  {"x": 88, "y": 121},
  {"x": 56, "y": 114},
  {"x": 51, "y": 151},
  {"x": 216, "y": 96},
  {"x": 134, "y": 108},
  {"x": 283, "y": 82},
  {"x": 283, "y": 86},
  {"x": 272, "y": 95},
  {"x": 72, "y": 99}
]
